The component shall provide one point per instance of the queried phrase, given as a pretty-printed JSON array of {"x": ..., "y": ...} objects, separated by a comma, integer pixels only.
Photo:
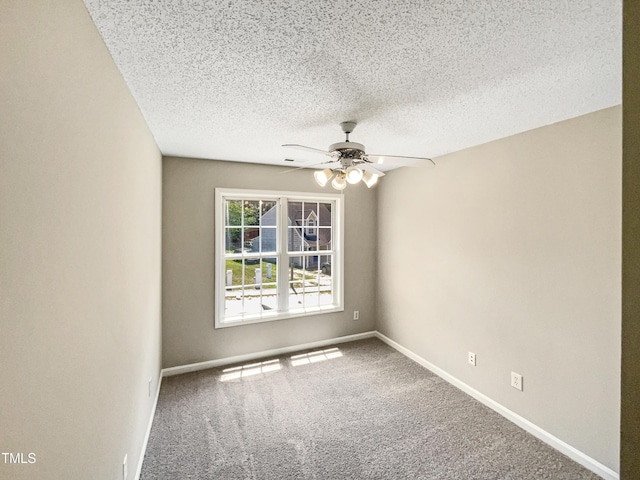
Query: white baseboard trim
[
  {"x": 194, "y": 367},
  {"x": 563, "y": 447},
  {"x": 149, "y": 425}
]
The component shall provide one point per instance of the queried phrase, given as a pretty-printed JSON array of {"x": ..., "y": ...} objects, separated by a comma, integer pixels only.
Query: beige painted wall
[
  {"x": 512, "y": 250},
  {"x": 188, "y": 258},
  {"x": 80, "y": 249},
  {"x": 630, "y": 419}
]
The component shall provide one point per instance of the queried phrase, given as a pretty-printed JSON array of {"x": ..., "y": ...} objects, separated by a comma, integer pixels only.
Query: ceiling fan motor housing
[{"x": 348, "y": 149}]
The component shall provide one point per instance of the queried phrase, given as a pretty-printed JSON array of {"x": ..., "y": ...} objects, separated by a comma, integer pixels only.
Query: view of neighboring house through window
[
  {"x": 278, "y": 255},
  {"x": 310, "y": 223}
]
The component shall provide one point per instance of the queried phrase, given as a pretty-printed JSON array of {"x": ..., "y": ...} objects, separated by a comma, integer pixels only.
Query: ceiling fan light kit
[
  {"x": 369, "y": 179},
  {"x": 354, "y": 175},
  {"x": 339, "y": 181},
  {"x": 323, "y": 176},
  {"x": 354, "y": 164}
]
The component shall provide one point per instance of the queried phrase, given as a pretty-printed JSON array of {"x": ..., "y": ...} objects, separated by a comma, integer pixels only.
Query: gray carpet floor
[{"x": 359, "y": 410}]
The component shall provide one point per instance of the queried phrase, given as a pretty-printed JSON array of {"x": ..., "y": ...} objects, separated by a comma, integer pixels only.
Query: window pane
[
  {"x": 295, "y": 242},
  {"x": 324, "y": 238},
  {"x": 233, "y": 240},
  {"x": 252, "y": 212},
  {"x": 252, "y": 302},
  {"x": 295, "y": 213},
  {"x": 296, "y": 295},
  {"x": 269, "y": 301},
  {"x": 245, "y": 299},
  {"x": 326, "y": 264},
  {"x": 269, "y": 288},
  {"x": 252, "y": 273},
  {"x": 269, "y": 267},
  {"x": 310, "y": 245},
  {"x": 304, "y": 280},
  {"x": 267, "y": 241},
  {"x": 310, "y": 227},
  {"x": 233, "y": 273},
  {"x": 325, "y": 280},
  {"x": 296, "y": 282},
  {"x": 233, "y": 302},
  {"x": 233, "y": 213},
  {"x": 324, "y": 214},
  {"x": 268, "y": 212},
  {"x": 310, "y": 215},
  {"x": 249, "y": 235}
]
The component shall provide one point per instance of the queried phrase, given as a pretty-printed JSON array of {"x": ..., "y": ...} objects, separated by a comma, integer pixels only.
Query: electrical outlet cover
[
  {"x": 516, "y": 381},
  {"x": 472, "y": 358}
]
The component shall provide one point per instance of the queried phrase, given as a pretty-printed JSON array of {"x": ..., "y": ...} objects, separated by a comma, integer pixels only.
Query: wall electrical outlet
[
  {"x": 516, "y": 381},
  {"x": 124, "y": 468},
  {"x": 472, "y": 358},
  {"x": 356, "y": 315}
]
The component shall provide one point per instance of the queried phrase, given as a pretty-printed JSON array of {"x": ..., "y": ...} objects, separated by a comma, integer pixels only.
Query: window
[{"x": 278, "y": 255}]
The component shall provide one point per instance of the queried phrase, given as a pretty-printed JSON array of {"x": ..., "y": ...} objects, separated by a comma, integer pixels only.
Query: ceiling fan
[{"x": 353, "y": 164}]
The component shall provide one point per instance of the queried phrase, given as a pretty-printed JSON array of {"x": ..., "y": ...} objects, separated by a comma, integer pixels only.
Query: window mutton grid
[{"x": 269, "y": 264}]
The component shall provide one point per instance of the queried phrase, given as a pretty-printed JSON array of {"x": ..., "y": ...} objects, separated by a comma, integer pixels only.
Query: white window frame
[{"x": 284, "y": 310}]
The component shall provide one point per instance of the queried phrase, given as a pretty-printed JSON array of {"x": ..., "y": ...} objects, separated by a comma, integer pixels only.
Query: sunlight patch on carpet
[
  {"x": 236, "y": 373},
  {"x": 316, "y": 356}
]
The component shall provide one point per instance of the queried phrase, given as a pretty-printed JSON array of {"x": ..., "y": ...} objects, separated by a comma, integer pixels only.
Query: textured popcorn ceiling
[{"x": 235, "y": 79}]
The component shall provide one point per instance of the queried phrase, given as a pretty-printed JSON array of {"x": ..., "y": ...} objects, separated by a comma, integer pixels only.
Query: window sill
[{"x": 273, "y": 316}]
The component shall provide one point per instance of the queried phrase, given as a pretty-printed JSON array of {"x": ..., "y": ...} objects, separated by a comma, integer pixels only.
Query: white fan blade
[
  {"x": 307, "y": 149},
  {"x": 308, "y": 166},
  {"x": 397, "y": 159},
  {"x": 370, "y": 168}
]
